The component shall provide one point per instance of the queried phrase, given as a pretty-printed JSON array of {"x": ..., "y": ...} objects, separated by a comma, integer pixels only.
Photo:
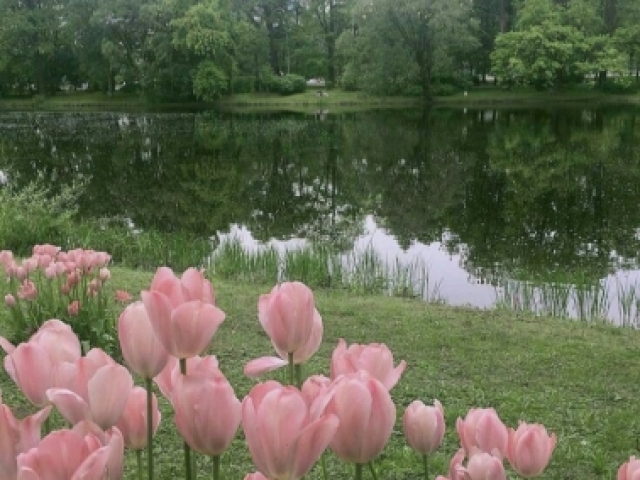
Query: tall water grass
[{"x": 362, "y": 271}]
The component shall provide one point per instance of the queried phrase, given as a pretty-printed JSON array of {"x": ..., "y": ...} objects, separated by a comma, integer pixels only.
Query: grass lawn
[
  {"x": 581, "y": 381},
  {"x": 338, "y": 100}
]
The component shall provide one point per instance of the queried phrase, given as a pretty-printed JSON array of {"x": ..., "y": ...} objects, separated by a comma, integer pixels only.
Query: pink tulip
[
  {"x": 107, "y": 394},
  {"x": 10, "y": 300},
  {"x": 255, "y": 476},
  {"x": 366, "y": 413},
  {"x": 74, "y": 308},
  {"x": 482, "y": 466},
  {"x": 196, "y": 287},
  {"x": 68, "y": 455},
  {"x": 17, "y": 436},
  {"x": 122, "y": 296},
  {"x": 104, "y": 274},
  {"x": 27, "y": 291},
  {"x": 46, "y": 249},
  {"x": 75, "y": 376},
  {"x": 424, "y": 426},
  {"x": 207, "y": 412},
  {"x": 184, "y": 331},
  {"x": 629, "y": 470},
  {"x": 529, "y": 449},
  {"x": 141, "y": 349},
  {"x": 287, "y": 315},
  {"x": 133, "y": 421},
  {"x": 314, "y": 387},
  {"x": 31, "y": 368},
  {"x": 167, "y": 378},
  {"x": 283, "y": 439},
  {"x": 262, "y": 365},
  {"x": 482, "y": 428},
  {"x": 375, "y": 358},
  {"x": 6, "y": 257}
]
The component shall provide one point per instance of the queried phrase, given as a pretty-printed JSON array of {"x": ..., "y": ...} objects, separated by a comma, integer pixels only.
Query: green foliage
[
  {"x": 287, "y": 84},
  {"x": 34, "y": 214},
  {"x": 620, "y": 86},
  {"x": 209, "y": 82},
  {"x": 244, "y": 84}
]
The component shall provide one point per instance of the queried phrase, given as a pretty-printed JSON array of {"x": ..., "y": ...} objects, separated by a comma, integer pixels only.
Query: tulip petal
[
  {"x": 109, "y": 391},
  {"x": 313, "y": 440},
  {"x": 262, "y": 365},
  {"x": 70, "y": 405}
]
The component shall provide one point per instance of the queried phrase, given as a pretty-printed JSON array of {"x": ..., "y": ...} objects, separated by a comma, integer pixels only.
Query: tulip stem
[
  {"x": 187, "y": 450},
  {"x": 358, "y": 471},
  {"x": 323, "y": 464},
  {"x": 291, "y": 368},
  {"x": 149, "y": 385},
  {"x": 372, "y": 470},
  {"x": 425, "y": 463},
  {"x": 216, "y": 467},
  {"x": 298, "y": 369},
  {"x": 139, "y": 462}
]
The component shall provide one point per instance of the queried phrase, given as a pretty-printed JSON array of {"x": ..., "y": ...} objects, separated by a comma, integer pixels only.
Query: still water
[{"x": 533, "y": 209}]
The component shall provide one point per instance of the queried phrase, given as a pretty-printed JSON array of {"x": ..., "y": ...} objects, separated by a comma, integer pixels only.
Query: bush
[
  {"x": 244, "y": 84},
  {"x": 443, "y": 90},
  {"x": 288, "y": 84},
  {"x": 620, "y": 86},
  {"x": 33, "y": 214},
  {"x": 349, "y": 79}
]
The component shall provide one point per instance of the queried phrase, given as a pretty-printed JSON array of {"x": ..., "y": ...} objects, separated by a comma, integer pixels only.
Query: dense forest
[{"x": 183, "y": 50}]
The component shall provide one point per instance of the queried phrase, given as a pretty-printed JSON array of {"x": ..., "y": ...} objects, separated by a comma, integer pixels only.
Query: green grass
[{"x": 581, "y": 380}]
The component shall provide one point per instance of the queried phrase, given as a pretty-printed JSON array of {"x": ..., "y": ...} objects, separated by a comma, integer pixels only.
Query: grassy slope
[
  {"x": 581, "y": 381},
  {"x": 336, "y": 101}
]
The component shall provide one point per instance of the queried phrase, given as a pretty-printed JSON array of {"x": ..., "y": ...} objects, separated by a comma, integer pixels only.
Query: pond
[{"x": 529, "y": 209}]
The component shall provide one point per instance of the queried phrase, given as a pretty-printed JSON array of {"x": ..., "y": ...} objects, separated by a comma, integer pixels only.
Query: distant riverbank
[{"x": 315, "y": 99}]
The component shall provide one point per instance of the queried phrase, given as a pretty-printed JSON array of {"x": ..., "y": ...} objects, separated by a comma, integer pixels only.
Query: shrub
[
  {"x": 288, "y": 84},
  {"x": 244, "y": 84}
]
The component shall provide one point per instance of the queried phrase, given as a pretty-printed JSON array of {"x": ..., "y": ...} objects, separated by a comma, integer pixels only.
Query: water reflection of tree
[{"x": 562, "y": 192}]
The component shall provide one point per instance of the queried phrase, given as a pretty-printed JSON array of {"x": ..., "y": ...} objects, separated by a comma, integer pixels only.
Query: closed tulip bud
[
  {"x": 530, "y": 448},
  {"x": 141, "y": 349},
  {"x": 424, "y": 426},
  {"x": 207, "y": 430},
  {"x": 366, "y": 413},
  {"x": 10, "y": 300},
  {"x": 483, "y": 429},
  {"x": 287, "y": 315},
  {"x": 133, "y": 421}
]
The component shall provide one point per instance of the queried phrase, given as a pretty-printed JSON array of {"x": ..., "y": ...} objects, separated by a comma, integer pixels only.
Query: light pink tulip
[
  {"x": 482, "y": 428},
  {"x": 46, "y": 249},
  {"x": 366, "y": 413},
  {"x": 31, "y": 368},
  {"x": 283, "y": 439},
  {"x": 483, "y": 466},
  {"x": 167, "y": 378},
  {"x": 424, "y": 426},
  {"x": 629, "y": 470},
  {"x": 107, "y": 394},
  {"x": 122, "y": 296},
  {"x": 133, "y": 421},
  {"x": 56, "y": 338},
  {"x": 375, "y": 358},
  {"x": 166, "y": 282},
  {"x": 255, "y": 476},
  {"x": 10, "y": 300},
  {"x": 68, "y": 455},
  {"x": 287, "y": 315},
  {"x": 262, "y": 365},
  {"x": 196, "y": 287},
  {"x": 75, "y": 376},
  {"x": 184, "y": 331},
  {"x": 27, "y": 290},
  {"x": 314, "y": 387},
  {"x": 6, "y": 257},
  {"x": 529, "y": 449},
  {"x": 141, "y": 348},
  {"x": 74, "y": 308},
  {"x": 207, "y": 412},
  {"x": 17, "y": 436}
]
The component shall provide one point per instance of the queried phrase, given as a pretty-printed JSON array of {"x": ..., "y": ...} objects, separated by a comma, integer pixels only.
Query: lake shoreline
[{"x": 312, "y": 101}]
